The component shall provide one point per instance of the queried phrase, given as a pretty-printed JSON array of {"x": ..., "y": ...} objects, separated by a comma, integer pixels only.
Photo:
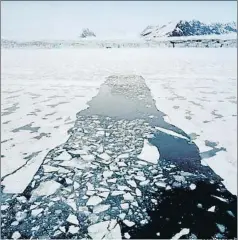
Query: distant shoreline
[{"x": 210, "y": 41}]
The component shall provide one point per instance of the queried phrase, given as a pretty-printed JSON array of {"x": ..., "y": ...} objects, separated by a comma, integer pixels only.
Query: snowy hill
[
  {"x": 188, "y": 28},
  {"x": 87, "y": 33}
]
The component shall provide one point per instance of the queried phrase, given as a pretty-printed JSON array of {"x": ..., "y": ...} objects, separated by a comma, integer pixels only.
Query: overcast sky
[{"x": 65, "y": 20}]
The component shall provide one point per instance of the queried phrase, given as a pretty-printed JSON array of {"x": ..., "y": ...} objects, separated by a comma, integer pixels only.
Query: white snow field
[{"x": 43, "y": 89}]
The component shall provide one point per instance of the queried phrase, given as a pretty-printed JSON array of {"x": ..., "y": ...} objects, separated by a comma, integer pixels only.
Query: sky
[{"x": 65, "y": 19}]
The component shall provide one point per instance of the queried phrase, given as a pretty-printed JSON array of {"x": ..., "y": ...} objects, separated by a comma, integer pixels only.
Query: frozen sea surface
[{"x": 42, "y": 90}]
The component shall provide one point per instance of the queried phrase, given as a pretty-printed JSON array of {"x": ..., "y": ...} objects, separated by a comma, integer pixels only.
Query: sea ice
[
  {"x": 102, "y": 230},
  {"x": 149, "y": 153},
  {"x": 46, "y": 188},
  {"x": 64, "y": 156},
  {"x": 183, "y": 232},
  {"x": 72, "y": 219},
  {"x": 94, "y": 200}
]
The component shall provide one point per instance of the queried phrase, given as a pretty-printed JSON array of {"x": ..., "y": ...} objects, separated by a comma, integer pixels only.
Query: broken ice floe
[
  {"x": 105, "y": 230},
  {"x": 72, "y": 219},
  {"x": 107, "y": 169},
  {"x": 149, "y": 153},
  {"x": 94, "y": 200},
  {"x": 192, "y": 186},
  {"x": 183, "y": 232},
  {"x": 73, "y": 229},
  {"x": 36, "y": 212},
  {"x": 46, "y": 188},
  {"x": 128, "y": 223},
  {"x": 211, "y": 209},
  {"x": 101, "y": 208},
  {"x": 221, "y": 227},
  {"x": 16, "y": 235},
  {"x": 64, "y": 156}
]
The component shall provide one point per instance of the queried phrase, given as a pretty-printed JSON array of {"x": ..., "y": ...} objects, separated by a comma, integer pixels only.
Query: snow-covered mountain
[
  {"x": 87, "y": 33},
  {"x": 188, "y": 28}
]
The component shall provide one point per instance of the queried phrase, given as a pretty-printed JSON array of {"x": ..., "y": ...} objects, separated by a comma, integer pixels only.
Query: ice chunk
[
  {"x": 211, "y": 209},
  {"x": 149, "y": 153},
  {"x": 199, "y": 205},
  {"x": 36, "y": 212},
  {"x": 122, "y": 216},
  {"x": 107, "y": 174},
  {"x": 4, "y": 207},
  {"x": 78, "y": 152},
  {"x": 101, "y": 189},
  {"x": 48, "y": 169},
  {"x": 144, "y": 183},
  {"x": 62, "y": 229},
  {"x": 171, "y": 133},
  {"x": 73, "y": 229},
  {"x": 103, "y": 194},
  {"x": 64, "y": 156},
  {"x": 68, "y": 181},
  {"x": 100, "y": 133},
  {"x": 94, "y": 200},
  {"x": 83, "y": 209},
  {"x": 72, "y": 219},
  {"x": 176, "y": 184},
  {"x": 121, "y": 164},
  {"x": 76, "y": 185},
  {"x": 138, "y": 192},
  {"x": 160, "y": 184},
  {"x": 132, "y": 183},
  {"x": 90, "y": 186},
  {"x": 100, "y": 149},
  {"x": 35, "y": 228},
  {"x": 135, "y": 204},
  {"x": 105, "y": 230},
  {"x": 46, "y": 188},
  {"x": 101, "y": 208},
  {"x": 140, "y": 178},
  {"x": 123, "y": 156},
  {"x": 127, "y": 235},
  {"x": 183, "y": 232},
  {"x": 90, "y": 193},
  {"x": 116, "y": 193},
  {"x": 123, "y": 188},
  {"x": 14, "y": 223},
  {"x": 168, "y": 188},
  {"x": 179, "y": 178},
  {"x": 21, "y": 199},
  {"x": 72, "y": 204},
  {"x": 143, "y": 222},
  {"x": 124, "y": 205},
  {"x": 221, "y": 227},
  {"x": 203, "y": 162},
  {"x": 128, "y": 197},
  {"x": 192, "y": 186},
  {"x": 128, "y": 223},
  {"x": 142, "y": 163},
  {"x": 88, "y": 157},
  {"x": 230, "y": 213},
  {"x": 16, "y": 235},
  {"x": 113, "y": 180},
  {"x": 221, "y": 199},
  {"x": 20, "y": 216},
  {"x": 104, "y": 156}
]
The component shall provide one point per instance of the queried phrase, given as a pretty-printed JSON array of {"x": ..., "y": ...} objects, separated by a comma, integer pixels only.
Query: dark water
[
  {"x": 127, "y": 97},
  {"x": 122, "y": 97},
  {"x": 179, "y": 209}
]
